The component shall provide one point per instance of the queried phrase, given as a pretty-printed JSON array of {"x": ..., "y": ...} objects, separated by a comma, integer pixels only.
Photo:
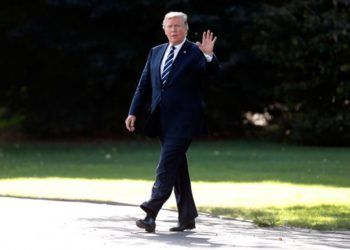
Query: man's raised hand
[{"x": 207, "y": 44}]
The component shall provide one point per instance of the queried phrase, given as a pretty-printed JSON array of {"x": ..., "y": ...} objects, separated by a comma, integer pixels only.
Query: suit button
[{"x": 162, "y": 90}]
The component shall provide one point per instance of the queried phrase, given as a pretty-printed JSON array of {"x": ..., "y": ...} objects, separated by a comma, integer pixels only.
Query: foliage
[
  {"x": 305, "y": 45},
  {"x": 70, "y": 67}
]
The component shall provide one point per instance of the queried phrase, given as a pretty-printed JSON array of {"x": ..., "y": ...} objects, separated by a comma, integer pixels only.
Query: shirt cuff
[{"x": 209, "y": 58}]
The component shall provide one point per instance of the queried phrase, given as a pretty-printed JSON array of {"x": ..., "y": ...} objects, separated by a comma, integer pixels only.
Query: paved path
[{"x": 50, "y": 225}]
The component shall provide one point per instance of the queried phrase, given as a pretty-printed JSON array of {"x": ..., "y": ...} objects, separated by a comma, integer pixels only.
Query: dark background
[{"x": 69, "y": 67}]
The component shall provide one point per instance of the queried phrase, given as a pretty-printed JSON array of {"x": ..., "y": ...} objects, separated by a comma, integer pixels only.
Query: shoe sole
[
  {"x": 148, "y": 229},
  {"x": 186, "y": 228}
]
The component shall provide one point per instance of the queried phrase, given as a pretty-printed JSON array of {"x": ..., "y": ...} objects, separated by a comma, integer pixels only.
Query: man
[{"x": 172, "y": 79}]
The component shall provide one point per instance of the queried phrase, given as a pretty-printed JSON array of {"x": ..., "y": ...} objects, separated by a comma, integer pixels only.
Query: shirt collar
[{"x": 178, "y": 46}]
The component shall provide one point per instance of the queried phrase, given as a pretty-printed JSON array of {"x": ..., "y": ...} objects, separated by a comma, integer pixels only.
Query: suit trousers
[{"x": 172, "y": 172}]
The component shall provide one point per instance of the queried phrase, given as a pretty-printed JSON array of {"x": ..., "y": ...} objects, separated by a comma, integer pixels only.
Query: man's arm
[
  {"x": 142, "y": 92},
  {"x": 207, "y": 47}
]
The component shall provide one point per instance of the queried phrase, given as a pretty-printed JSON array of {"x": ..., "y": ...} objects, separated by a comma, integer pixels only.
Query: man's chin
[{"x": 175, "y": 41}]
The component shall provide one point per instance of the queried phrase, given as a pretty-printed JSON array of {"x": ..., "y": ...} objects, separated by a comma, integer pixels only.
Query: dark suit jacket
[{"x": 177, "y": 107}]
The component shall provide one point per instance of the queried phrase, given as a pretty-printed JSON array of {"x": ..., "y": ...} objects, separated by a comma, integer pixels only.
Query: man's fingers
[
  {"x": 205, "y": 36},
  {"x": 208, "y": 41},
  {"x": 127, "y": 124},
  {"x": 130, "y": 123},
  {"x": 130, "y": 126},
  {"x": 208, "y": 36}
]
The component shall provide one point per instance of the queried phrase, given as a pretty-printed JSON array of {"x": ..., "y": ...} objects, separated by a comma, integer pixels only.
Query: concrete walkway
[{"x": 50, "y": 225}]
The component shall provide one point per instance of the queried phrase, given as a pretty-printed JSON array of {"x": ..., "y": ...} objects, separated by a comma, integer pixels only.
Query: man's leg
[
  {"x": 183, "y": 193},
  {"x": 173, "y": 152}
]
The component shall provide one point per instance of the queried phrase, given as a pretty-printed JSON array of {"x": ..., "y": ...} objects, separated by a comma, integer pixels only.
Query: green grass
[
  {"x": 270, "y": 184},
  {"x": 323, "y": 217}
]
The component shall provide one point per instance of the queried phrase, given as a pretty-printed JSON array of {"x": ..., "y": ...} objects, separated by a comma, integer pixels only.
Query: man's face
[{"x": 175, "y": 30}]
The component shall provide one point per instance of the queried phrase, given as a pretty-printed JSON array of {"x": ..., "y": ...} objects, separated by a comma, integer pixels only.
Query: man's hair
[{"x": 173, "y": 14}]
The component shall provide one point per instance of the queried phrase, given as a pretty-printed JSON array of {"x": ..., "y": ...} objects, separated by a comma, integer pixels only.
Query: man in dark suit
[{"x": 172, "y": 79}]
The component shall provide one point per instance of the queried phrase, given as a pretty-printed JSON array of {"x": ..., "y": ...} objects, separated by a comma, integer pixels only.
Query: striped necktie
[{"x": 168, "y": 64}]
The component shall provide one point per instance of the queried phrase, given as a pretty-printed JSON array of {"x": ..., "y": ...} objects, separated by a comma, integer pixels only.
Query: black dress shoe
[
  {"x": 184, "y": 226},
  {"x": 149, "y": 224}
]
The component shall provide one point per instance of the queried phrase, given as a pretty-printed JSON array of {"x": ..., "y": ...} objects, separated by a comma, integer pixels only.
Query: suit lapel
[
  {"x": 177, "y": 62},
  {"x": 158, "y": 61}
]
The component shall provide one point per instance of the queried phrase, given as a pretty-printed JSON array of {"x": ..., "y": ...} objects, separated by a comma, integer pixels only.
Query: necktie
[{"x": 167, "y": 66}]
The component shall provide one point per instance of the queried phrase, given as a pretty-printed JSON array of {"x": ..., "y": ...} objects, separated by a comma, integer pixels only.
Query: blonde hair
[{"x": 173, "y": 14}]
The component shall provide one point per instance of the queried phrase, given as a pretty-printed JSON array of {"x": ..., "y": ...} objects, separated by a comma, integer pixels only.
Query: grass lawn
[{"x": 270, "y": 184}]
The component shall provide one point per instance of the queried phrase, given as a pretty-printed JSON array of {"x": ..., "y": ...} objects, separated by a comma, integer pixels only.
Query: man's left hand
[{"x": 208, "y": 41}]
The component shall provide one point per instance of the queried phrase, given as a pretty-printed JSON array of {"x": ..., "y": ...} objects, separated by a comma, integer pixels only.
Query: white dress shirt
[
  {"x": 176, "y": 51},
  {"x": 167, "y": 51}
]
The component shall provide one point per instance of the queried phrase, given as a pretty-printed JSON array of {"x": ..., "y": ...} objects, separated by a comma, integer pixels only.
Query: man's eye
[{"x": 173, "y": 26}]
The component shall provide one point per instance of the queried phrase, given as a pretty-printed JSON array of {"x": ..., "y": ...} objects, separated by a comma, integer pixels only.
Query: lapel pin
[{"x": 184, "y": 51}]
